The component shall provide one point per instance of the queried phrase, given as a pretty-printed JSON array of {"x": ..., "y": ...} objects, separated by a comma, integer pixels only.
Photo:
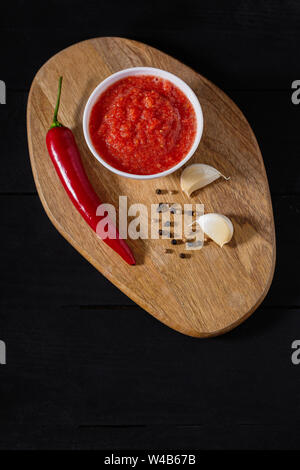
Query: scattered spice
[
  {"x": 162, "y": 207},
  {"x": 168, "y": 250},
  {"x": 173, "y": 191},
  {"x": 174, "y": 241},
  {"x": 160, "y": 232},
  {"x": 158, "y": 191},
  {"x": 182, "y": 255}
]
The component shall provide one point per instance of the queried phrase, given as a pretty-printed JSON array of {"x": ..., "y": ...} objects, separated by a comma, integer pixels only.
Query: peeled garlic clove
[
  {"x": 217, "y": 227},
  {"x": 197, "y": 176}
]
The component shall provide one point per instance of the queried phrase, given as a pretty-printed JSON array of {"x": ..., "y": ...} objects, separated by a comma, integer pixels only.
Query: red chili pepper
[{"x": 66, "y": 158}]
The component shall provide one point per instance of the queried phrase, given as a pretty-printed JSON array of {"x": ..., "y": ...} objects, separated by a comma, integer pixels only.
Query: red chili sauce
[{"x": 142, "y": 125}]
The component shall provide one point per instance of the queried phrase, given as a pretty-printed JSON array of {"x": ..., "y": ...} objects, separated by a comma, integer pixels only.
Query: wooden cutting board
[{"x": 215, "y": 289}]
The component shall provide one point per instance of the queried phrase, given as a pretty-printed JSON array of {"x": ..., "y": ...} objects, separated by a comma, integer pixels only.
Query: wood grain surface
[{"x": 215, "y": 289}]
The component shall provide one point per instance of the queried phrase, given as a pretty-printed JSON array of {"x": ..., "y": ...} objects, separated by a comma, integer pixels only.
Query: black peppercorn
[
  {"x": 160, "y": 232},
  {"x": 182, "y": 255},
  {"x": 158, "y": 191},
  {"x": 162, "y": 207},
  {"x": 174, "y": 242}
]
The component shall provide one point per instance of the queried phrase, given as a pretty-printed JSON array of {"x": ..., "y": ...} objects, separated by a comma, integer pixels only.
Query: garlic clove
[
  {"x": 198, "y": 175},
  {"x": 218, "y": 227}
]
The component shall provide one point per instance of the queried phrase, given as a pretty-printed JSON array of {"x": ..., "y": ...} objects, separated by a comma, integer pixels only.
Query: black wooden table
[{"x": 86, "y": 368}]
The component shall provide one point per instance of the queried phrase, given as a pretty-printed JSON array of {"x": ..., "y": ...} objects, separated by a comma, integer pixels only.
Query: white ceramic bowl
[{"x": 143, "y": 71}]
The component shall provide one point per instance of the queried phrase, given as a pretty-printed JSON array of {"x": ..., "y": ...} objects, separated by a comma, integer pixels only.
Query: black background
[{"x": 88, "y": 369}]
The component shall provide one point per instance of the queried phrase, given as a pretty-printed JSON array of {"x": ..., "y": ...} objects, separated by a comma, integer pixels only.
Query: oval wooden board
[{"x": 215, "y": 289}]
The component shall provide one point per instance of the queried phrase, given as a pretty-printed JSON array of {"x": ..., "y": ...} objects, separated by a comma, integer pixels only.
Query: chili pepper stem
[{"x": 55, "y": 122}]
